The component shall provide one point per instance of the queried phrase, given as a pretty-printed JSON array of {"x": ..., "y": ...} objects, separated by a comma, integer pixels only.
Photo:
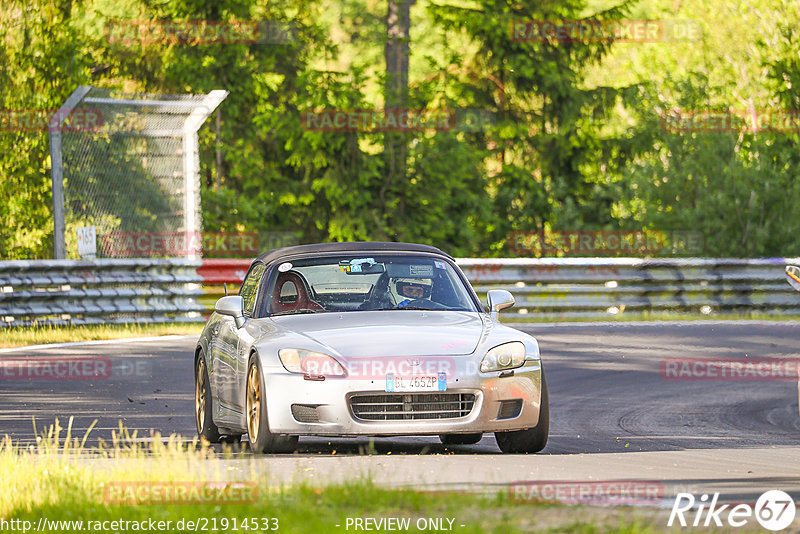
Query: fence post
[{"x": 57, "y": 170}]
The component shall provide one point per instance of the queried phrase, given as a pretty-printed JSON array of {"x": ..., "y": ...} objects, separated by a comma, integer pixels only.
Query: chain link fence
[{"x": 127, "y": 165}]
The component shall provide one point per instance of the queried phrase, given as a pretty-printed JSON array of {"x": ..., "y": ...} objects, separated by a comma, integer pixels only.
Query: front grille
[{"x": 405, "y": 406}]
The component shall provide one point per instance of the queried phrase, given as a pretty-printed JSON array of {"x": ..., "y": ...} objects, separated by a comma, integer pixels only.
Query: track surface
[{"x": 613, "y": 415}]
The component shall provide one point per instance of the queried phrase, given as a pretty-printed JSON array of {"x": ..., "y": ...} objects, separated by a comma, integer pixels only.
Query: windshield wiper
[
  {"x": 295, "y": 312},
  {"x": 403, "y": 308}
]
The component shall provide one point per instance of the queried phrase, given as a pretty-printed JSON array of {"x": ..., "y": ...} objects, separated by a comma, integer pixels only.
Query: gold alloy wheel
[
  {"x": 200, "y": 395},
  {"x": 253, "y": 402}
]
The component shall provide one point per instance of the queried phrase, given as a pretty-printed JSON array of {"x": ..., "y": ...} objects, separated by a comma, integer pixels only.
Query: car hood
[{"x": 389, "y": 333}]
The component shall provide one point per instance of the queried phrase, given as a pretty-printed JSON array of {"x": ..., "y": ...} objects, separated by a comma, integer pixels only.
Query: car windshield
[{"x": 366, "y": 283}]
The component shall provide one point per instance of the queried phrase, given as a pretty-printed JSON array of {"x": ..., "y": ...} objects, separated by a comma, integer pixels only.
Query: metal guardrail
[
  {"x": 101, "y": 291},
  {"x": 220, "y": 271},
  {"x": 603, "y": 287},
  {"x": 164, "y": 290}
]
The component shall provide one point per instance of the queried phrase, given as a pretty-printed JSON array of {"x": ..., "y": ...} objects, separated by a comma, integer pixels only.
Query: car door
[
  {"x": 224, "y": 344},
  {"x": 225, "y": 364},
  {"x": 238, "y": 365}
]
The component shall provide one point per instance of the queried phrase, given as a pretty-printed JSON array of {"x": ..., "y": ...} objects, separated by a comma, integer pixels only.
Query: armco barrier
[
  {"x": 595, "y": 287},
  {"x": 100, "y": 291},
  {"x": 601, "y": 287},
  {"x": 216, "y": 271},
  {"x": 164, "y": 290}
]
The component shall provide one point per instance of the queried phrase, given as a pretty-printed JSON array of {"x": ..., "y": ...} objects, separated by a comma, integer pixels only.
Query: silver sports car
[{"x": 366, "y": 339}]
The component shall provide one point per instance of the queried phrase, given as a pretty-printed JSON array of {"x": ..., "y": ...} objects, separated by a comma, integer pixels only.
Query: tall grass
[
  {"x": 60, "y": 478},
  {"x": 59, "y": 465}
]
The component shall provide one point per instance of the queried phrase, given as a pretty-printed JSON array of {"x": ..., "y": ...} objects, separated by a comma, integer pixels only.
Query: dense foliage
[{"x": 573, "y": 136}]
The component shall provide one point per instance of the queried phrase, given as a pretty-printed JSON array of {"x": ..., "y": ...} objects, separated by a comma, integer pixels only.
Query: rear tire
[
  {"x": 261, "y": 439},
  {"x": 460, "y": 439},
  {"x": 203, "y": 407},
  {"x": 530, "y": 440}
]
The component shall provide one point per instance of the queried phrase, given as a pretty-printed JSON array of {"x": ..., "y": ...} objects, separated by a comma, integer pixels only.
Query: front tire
[
  {"x": 261, "y": 439},
  {"x": 530, "y": 440},
  {"x": 203, "y": 406}
]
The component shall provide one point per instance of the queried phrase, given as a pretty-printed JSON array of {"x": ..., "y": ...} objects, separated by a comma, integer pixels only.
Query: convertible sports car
[{"x": 375, "y": 339}]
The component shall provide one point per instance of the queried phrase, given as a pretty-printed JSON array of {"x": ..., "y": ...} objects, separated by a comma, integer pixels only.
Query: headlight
[
  {"x": 505, "y": 356},
  {"x": 308, "y": 362}
]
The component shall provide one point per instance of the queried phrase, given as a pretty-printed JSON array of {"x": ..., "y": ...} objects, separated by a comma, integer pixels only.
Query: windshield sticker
[
  {"x": 420, "y": 270},
  {"x": 355, "y": 265},
  {"x": 283, "y": 267},
  {"x": 439, "y": 264}
]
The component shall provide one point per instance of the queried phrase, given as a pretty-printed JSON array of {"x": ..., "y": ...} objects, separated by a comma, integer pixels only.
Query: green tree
[{"x": 42, "y": 60}]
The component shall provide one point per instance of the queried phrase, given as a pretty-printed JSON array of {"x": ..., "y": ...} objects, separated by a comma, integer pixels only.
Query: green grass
[
  {"x": 19, "y": 337},
  {"x": 61, "y": 480}
]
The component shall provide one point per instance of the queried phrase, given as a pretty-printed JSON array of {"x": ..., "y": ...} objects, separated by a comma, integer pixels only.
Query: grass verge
[
  {"x": 20, "y": 337},
  {"x": 53, "y": 483}
]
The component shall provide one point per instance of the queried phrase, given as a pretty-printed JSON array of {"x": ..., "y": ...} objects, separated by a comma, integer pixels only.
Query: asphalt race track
[{"x": 613, "y": 415}]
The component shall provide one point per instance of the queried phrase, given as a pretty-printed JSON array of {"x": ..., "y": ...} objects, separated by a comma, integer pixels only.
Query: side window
[{"x": 249, "y": 288}]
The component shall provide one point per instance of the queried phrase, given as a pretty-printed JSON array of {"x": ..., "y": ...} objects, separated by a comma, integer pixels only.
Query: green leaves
[{"x": 574, "y": 141}]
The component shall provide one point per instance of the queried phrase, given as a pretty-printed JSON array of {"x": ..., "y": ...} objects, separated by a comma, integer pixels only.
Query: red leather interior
[{"x": 303, "y": 298}]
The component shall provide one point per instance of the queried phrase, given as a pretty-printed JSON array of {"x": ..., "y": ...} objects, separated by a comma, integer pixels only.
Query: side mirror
[
  {"x": 232, "y": 306},
  {"x": 793, "y": 276},
  {"x": 499, "y": 299}
]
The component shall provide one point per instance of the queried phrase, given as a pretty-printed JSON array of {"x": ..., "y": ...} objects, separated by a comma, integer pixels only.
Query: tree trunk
[{"x": 398, "y": 22}]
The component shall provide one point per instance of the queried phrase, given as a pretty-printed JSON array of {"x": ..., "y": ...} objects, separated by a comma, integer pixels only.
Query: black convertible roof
[{"x": 356, "y": 246}]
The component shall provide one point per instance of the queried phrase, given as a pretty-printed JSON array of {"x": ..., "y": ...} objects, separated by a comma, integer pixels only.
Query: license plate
[{"x": 437, "y": 382}]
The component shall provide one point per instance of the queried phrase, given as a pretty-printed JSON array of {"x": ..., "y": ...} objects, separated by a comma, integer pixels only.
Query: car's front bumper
[{"x": 331, "y": 400}]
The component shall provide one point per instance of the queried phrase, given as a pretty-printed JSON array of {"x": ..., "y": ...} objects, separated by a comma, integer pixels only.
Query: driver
[{"x": 411, "y": 290}]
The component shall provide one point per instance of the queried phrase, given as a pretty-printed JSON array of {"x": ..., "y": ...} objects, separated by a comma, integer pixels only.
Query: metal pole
[
  {"x": 191, "y": 159},
  {"x": 190, "y": 191},
  {"x": 57, "y": 170}
]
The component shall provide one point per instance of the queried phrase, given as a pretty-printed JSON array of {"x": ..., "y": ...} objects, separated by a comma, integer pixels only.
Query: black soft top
[{"x": 356, "y": 246}]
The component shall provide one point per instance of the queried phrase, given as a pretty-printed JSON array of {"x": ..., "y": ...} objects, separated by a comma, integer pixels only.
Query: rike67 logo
[{"x": 774, "y": 510}]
